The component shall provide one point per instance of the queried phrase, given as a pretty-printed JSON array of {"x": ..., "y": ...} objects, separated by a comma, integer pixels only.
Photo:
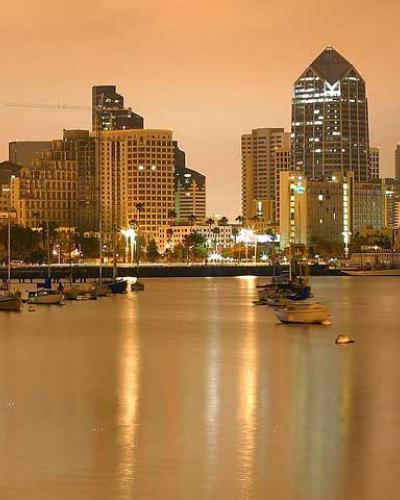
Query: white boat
[
  {"x": 45, "y": 296},
  {"x": 371, "y": 272},
  {"x": 138, "y": 286},
  {"x": 304, "y": 312}
]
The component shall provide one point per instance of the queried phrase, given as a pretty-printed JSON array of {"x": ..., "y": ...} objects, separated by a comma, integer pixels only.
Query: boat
[
  {"x": 116, "y": 285},
  {"x": 79, "y": 291},
  {"x": 308, "y": 312},
  {"x": 371, "y": 272},
  {"x": 45, "y": 296},
  {"x": 10, "y": 301}
]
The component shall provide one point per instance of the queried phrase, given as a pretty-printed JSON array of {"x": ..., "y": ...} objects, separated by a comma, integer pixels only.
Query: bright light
[
  {"x": 129, "y": 233},
  {"x": 246, "y": 236},
  {"x": 215, "y": 256},
  {"x": 264, "y": 257}
]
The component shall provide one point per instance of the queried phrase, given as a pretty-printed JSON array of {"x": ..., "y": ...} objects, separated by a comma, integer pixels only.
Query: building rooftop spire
[{"x": 331, "y": 65}]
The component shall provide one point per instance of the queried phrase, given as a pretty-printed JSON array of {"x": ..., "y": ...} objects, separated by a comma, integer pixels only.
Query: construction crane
[{"x": 49, "y": 106}]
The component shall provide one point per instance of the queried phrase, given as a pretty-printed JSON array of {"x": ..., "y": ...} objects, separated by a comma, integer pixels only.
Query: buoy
[{"x": 343, "y": 339}]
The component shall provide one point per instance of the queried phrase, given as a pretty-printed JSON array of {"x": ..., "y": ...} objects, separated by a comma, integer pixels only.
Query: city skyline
[{"x": 207, "y": 97}]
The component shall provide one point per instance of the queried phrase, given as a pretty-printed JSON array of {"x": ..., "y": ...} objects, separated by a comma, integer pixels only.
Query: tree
[
  {"x": 240, "y": 220},
  {"x": 223, "y": 221},
  {"x": 24, "y": 241},
  {"x": 192, "y": 219},
  {"x": 193, "y": 242},
  {"x": 210, "y": 222},
  {"x": 89, "y": 246},
  {"x": 152, "y": 251},
  {"x": 216, "y": 231}
]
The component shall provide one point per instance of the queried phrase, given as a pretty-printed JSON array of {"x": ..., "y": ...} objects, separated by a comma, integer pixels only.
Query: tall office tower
[
  {"x": 330, "y": 119},
  {"x": 397, "y": 163},
  {"x": 47, "y": 190},
  {"x": 260, "y": 164},
  {"x": 374, "y": 163},
  {"x": 190, "y": 190},
  {"x": 108, "y": 111},
  {"x": 135, "y": 166},
  {"x": 24, "y": 152}
]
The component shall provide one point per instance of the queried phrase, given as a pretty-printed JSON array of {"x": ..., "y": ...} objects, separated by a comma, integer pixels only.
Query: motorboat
[
  {"x": 10, "y": 301},
  {"x": 45, "y": 296},
  {"x": 116, "y": 285},
  {"x": 306, "y": 311},
  {"x": 138, "y": 286}
]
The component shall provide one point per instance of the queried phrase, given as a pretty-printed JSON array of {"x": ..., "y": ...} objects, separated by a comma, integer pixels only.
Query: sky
[{"x": 208, "y": 70}]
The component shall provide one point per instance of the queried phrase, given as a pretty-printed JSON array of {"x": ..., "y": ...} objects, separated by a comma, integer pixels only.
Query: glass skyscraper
[{"x": 330, "y": 119}]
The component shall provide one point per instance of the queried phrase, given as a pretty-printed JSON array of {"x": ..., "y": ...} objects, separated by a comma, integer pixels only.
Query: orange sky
[{"x": 209, "y": 70}]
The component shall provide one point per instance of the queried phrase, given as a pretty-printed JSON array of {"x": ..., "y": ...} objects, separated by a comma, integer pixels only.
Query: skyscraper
[
  {"x": 24, "y": 152},
  {"x": 108, "y": 111},
  {"x": 190, "y": 190},
  {"x": 260, "y": 163},
  {"x": 397, "y": 163},
  {"x": 374, "y": 167},
  {"x": 330, "y": 119}
]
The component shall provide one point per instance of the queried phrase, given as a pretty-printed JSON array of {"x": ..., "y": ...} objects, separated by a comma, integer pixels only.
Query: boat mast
[
  {"x": 47, "y": 228},
  {"x": 9, "y": 246}
]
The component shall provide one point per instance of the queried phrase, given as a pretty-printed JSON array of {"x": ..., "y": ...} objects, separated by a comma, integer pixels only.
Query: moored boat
[
  {"x": 10, "y": 301},
  {"x": 138, "y": 286},
  {"x": 116, "y": 285},
  {"x": 45, "y": 296},
  {"x": 310, "y": 312},
  {"x": 77, "y": 291}
]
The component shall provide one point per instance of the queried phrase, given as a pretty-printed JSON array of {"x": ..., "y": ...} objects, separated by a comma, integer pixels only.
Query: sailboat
[{"x": 9, "y": 301}]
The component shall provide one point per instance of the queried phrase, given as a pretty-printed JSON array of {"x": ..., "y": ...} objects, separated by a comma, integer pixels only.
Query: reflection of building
[
  {"x": 190, "y": 190},
  {"x": 329, "y": 210},
  {"x": 136, "y": 166},
  {"x": 24, "y": 152},
  {"x": 374, "y": 163},
  {"x": 330, "y": 119},
  {"x": 108, "y": 111},
  {"x": 265, "y": 152}
]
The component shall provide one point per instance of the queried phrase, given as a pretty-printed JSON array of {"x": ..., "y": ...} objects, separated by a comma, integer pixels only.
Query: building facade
[
  {"x": 264, "y": 152},
  {"x": 329, "y": 210},
  {"x": 190, "y": 190},
  {"x": 374, "y": 163},
  {"x": 135, "y": 167},
  {"x": 24, "y": 152},
  {"x": 397, "y": 163},
  {"x": 330, "y": 119},
  {"x": 109, "y": 113}
]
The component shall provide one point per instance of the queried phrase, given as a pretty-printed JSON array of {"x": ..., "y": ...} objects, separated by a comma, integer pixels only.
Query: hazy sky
[{"x": 208, "y": 70}]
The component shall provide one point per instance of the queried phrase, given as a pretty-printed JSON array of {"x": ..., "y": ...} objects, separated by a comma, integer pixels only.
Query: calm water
[{"x": 188, "y": 391}]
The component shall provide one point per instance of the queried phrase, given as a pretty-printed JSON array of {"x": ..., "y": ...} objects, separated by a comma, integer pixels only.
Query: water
[{"x": 188, "y": 391}]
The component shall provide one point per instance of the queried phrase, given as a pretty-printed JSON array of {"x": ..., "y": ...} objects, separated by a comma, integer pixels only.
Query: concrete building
[
  {"x": 190, "y": 190},
  {"x": 109, "y": 113},
  {"x": 374, "y": 163},
  {"x": 172, "y": 235},
  {"x": 136, "y": 166},
  {"x": 330, "y": 119},
  {"x": 260, "y": 165},
  {"x": 24, "y": 152},
  {"x": 329, "y": 210},
  {"x": 47, "y": 190}
]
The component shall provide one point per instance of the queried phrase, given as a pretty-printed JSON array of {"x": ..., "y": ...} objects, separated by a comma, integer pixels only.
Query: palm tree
[
  {"x": 171, "y": 216},
  {"x": 192, "y": 219},
  {"x": 240, "y": 220},
  {"x": 235, "y": 233},
  {"x": 210, "y": 222},
  {"x": 223, "y": 221},
  {"x": 216, "y": 231}
]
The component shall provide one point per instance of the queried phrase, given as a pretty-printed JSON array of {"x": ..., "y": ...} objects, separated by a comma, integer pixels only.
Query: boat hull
[
  {"x": 117, "y": 286},
  {"x": 304, "y": 315},
  {"x": 10, "y": 303},
  {"x": 46, "y": 299}
]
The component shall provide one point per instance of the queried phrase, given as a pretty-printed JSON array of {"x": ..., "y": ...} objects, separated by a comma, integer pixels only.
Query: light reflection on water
[{"x": 189, "y": 391}]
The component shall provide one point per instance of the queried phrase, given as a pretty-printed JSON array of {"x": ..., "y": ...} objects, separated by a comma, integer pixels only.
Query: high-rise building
[
  {"x": 190, "y": 190},
  {"x": 374, "y": 167},
  {"x": 330, "y": 119},
  {"x": 397, "y": 163},
  {"x": 136, "y": 166},
  {"x": 264, "y": 152},
  {"x": 330, "y": 209},
  {"x": 47, "y": 190},
  {"x": 24, "y": 152},
  {"x": 109, "y": 113}
]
